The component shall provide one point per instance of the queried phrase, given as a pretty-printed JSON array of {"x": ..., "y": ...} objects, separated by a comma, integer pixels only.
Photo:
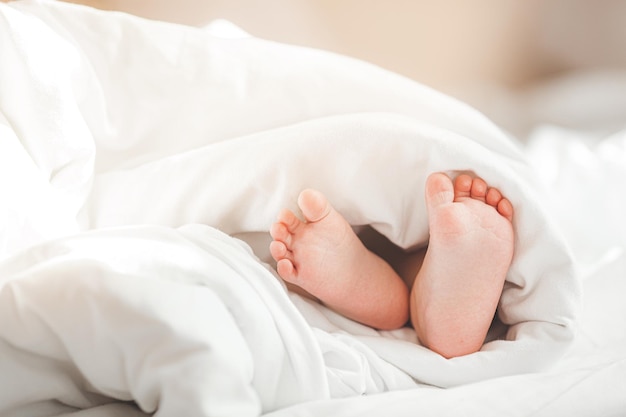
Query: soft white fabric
[
  {"x": 591, "y": 378},
  {"x": 110, "y": 121},
  {"x": 184, "y": 321}
]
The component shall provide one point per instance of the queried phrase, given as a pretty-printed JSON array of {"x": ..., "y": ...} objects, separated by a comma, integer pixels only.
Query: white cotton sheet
[
  {"x": 146, "y": 146},
  {"x": 158, "y": 316},
  {"x": 590, "y": 379}
]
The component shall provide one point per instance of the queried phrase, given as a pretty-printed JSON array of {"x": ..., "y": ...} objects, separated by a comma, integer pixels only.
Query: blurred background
[{"x": 519, "y": 61}]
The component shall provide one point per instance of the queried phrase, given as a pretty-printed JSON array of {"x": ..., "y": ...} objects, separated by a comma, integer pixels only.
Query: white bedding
[{"x": 141, "y": 166}]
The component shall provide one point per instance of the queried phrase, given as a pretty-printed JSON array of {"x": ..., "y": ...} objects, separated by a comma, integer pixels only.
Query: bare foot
[
  {"x": 457, "y": 290},
  {"x": 323, "y": 256}
]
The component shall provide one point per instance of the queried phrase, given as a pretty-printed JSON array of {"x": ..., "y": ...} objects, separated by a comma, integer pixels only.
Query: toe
[
  {"x": 278, "y": 250},
  {"x": 462, "y": 186},
  {"x": 314, "y": 205},
  {"x": 289, "y": 220},
  {"x": 286, "y": 270},
  {"x": 479, "y": 189},
  {"x": 505, "y": 208},
  {"x": 280, "y": 232},
  {"x": 439, "y": 190},
  {"x": 493, "y": 197}
]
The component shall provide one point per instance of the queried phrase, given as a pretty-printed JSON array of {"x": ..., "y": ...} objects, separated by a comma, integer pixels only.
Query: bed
[{"x": 142, "y": 166}]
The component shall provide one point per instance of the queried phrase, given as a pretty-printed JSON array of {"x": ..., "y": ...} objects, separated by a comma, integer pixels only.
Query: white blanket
[{"x": 120, "y": 137}]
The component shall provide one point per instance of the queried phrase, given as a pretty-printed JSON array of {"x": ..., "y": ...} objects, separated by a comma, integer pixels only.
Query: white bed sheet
[
  {"x": 85, "y": 164},
  {"x": 581, "y": 172}
]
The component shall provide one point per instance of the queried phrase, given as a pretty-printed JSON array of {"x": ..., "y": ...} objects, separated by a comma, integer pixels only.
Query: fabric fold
[{"x": 151, "y": 144}]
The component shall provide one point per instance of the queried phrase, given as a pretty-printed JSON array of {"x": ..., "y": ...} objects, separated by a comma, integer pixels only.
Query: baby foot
[
  {"x": 470, "y": 249},
  {"x": 323, "y": 256}
]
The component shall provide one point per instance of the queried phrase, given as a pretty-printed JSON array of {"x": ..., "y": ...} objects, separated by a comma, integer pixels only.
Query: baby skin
[{"x": 450, "y": 298}]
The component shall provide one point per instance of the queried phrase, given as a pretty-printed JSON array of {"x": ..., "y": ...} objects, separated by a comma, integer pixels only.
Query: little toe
[
  {"x": 462, "y": 186},
  {"x": 439, "y": 190},
  {"x": 479, "y": 189},
  {"x": 286, "y": 270},
  {"x": 505, "y": 208},
  {"x": 314, "y": 205}
]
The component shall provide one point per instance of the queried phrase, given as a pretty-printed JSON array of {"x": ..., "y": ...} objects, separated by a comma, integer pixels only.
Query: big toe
[
  {"x": 439, "y": 190},
  {"x": 314, "y": 205}
]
